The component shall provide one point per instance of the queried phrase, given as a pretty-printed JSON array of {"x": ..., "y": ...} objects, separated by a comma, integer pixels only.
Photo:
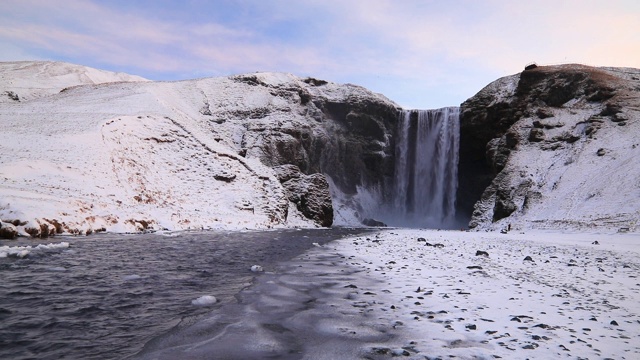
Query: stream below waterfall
[{"x": 105, "y": 296}]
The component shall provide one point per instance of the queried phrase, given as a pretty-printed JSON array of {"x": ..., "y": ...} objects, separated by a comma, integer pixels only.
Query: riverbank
[
  {"x": 514, "y": 296},
  {"x": 433, "y": 294}
]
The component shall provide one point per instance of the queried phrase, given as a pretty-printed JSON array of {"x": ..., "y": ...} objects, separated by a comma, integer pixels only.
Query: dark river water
[{"x": 106, "y": 296}]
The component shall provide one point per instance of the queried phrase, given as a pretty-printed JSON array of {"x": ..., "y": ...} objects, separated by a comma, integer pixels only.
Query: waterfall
[{"x": 426, "y": 168}]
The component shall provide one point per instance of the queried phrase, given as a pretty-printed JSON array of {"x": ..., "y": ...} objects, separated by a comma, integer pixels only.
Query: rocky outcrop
[
  {"x": 343, "y": 131},
  {"x": 7, "y": 230},
  {"x": 197, "y": 154},
  {"x": 530, "y": 143},
  {"x": 310, "y": 193}
]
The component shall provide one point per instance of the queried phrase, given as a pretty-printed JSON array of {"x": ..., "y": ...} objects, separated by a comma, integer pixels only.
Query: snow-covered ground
[
  {"x": 539, "y": 295},
  {"x": 426, "y": 294},
  {"x": 33, "y": 79}
]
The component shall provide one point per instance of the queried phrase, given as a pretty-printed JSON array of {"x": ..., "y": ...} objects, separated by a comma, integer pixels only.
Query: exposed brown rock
[{"x": 310, "y": 193}]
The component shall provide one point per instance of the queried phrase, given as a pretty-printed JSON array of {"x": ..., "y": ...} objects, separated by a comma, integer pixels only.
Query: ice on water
[{"x": 24, "y": 251}]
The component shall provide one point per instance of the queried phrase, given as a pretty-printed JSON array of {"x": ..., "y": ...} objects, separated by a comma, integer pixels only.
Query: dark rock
[
  {"x": 547, "y": 125},
  {"x": 287, "y": 172},
  {"x": 566, "y": 137},
  {"x": 536, "y": 135},
  {"x": 595, "y": 243},
  {"x": 620, "y": 118},
  {"x": 7, "y": 231},
  {"x": 349, "y": 137},
  {"x": 373, "y": 223},
  {"x": 205, "y": 110},
  {"x": 503, "y": 206},
  {"x": 12, "y": 95},
  {"x": 528, "y": 258},
  {"x": 311, "y": 195},
  {"x": 601, "y": 152},
  {"x": 482, "y": 253},
  {"x": 471, "y": 327},
  {"x": 543, "y": 113},
  {"x": 474, "y": 267},
  {"x": 602, "y": 94},
  {"x": 614, "y": 323},
  {"x": 611, "y": 109},
  {"x": 315, "y": 82},
  {"x": 422, "y": 240},
  {"x": 224, "y": 175}
]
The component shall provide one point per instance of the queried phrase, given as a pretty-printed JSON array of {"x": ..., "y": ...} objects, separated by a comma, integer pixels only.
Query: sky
[{"x": 421, "y": 54}]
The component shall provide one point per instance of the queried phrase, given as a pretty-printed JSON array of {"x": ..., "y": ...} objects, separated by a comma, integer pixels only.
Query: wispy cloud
[{"x": 431, "y": 47}]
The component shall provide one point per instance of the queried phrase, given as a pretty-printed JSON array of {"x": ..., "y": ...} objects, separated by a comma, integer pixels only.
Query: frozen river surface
[{"x": 106, "y": 296}]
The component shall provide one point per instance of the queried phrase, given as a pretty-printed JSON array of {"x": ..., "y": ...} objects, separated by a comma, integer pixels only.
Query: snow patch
[{"x": 24, "y": 251}]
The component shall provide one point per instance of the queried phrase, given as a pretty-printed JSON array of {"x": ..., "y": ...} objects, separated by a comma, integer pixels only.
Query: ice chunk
[
  {"x": 204, "y": 300},
  {"x": 23, "y": 251},
  {"x": 257, "y": 268}
]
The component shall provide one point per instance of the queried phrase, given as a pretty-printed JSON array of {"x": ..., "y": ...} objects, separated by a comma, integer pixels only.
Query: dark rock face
[
  {"x": 343, "y": 131},
  {"x": 345, "y": 137},
  {"x": 310, "y": 193},
  {"x": 524, "y": 111},
  {"x": 375, "y": 223},
  {"x": 358, "y": 147}
]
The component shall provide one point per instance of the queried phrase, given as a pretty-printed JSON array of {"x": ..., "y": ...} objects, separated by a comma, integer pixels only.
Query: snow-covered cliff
[
  {"x": 554, "y": 147},
  {"x": 84, "y": 150}
]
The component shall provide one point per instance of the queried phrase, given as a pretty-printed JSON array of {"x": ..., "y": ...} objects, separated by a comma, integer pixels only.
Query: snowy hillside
[
  {"x": 126, "y": 155},
  {"x": 85, "y": 150},
  {"x": 568, "y": 153},
  {"x": 26, "y": 80}
]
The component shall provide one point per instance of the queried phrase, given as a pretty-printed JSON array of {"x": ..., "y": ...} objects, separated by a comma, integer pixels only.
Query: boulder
[
  {"x": 376, "y": 223},
  {"x": 310, "y": 193},
  {"x": 7, "y": 230}
]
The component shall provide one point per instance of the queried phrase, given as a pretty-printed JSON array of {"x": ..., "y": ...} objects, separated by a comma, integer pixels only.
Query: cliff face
[
  {"x": 553, "y": 147},
  {"x": 344, "y": 131},
  {"x": 132, "y": 156}
]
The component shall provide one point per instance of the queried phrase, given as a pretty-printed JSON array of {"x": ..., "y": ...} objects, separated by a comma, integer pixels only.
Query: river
[{"x": 106, "y": 296}]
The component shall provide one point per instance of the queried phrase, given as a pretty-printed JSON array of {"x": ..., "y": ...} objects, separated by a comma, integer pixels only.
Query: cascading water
[{"x": 426, "y": 169}]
